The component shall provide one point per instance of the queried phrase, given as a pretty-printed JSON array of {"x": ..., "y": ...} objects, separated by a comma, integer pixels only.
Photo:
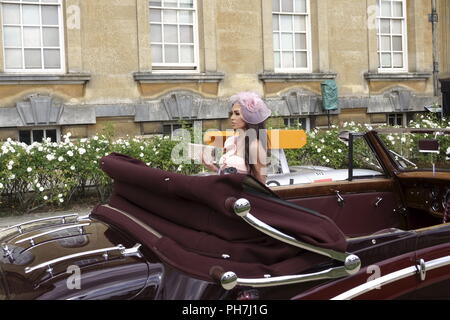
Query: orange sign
[{"x": 277, "y": 139}]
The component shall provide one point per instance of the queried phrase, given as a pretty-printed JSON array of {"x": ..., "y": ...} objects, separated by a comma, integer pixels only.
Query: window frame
[
  {"x": 308, "y": 68},
  {"x": 61, "y": 34},
  {"x": 404, "y": 35},
  {"x": 291, "y": 119},
  {"x": 163, "y": 67},
  {"x": 44, "y": 129}
]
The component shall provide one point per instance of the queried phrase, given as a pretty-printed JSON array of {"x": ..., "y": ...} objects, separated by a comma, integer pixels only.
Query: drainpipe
[{"x": 433, "y": 18}]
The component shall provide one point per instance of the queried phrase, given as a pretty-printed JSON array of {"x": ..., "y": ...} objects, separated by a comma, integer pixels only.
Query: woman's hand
[{"x": 207, "y": 162}]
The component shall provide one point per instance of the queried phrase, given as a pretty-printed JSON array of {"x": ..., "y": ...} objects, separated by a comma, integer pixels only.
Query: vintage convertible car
[{"x": 164, "y": 235}]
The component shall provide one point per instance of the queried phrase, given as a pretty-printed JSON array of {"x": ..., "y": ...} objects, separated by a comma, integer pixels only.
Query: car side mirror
[{"x": 429, "y": 146}]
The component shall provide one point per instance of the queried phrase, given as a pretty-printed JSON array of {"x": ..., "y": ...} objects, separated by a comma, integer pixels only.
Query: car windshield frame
[{"x": 389, "y": 153}]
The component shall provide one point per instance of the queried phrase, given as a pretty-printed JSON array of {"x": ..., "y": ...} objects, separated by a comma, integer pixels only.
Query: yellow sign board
[{"x": 277, "y": 139}]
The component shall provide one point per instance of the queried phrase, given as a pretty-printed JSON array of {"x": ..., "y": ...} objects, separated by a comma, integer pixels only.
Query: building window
[
  {"x": 173, "y": 30},
  {"x": 37, "y": 135},
  {"x": 32, "y": 36},
  {"x": 296, "y": 122},
  {"x": 291, "y": 35},
  {"x": 392, "y": 36},
  {"x": 396, "y": 119},
  {"x": 168, "y": 129}
]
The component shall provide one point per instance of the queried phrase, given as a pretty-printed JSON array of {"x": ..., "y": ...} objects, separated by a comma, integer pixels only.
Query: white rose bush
[{"x": 48, "y": 174}]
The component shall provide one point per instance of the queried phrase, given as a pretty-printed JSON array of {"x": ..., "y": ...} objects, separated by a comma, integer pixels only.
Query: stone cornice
[
  {"x": 68, "y": 78},
  {"x": 149, "y": 77},
  {"x": 374, "y": 76},
  {"x": 295, "y": 77}
]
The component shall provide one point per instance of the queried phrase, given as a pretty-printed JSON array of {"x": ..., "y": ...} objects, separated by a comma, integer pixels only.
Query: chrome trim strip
[
  {"x": 20, "y": 225},
  {"x": 32, "y": 238},
  {"x": 229, "y": 279},
  {"x": 143, "y": 225},
  {"x": 392, "y": 277},
  {"x": 134, "y": 251}
]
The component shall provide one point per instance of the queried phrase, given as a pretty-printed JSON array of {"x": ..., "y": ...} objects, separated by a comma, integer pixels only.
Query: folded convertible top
[{"x": 197, "y": 226}]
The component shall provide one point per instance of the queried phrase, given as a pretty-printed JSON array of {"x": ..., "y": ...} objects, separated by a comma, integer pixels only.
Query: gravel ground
[{"x": 12, "y": 220}]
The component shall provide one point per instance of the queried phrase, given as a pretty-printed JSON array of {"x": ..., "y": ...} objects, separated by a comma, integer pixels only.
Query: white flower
[
  {"x": 403, "y": 139},
  {"x": 38, "y": 185},
  {"x": 81, "y": 151},
  {"x": 45, "y": 198},
  {"x": 61, "y": 200},
  {"x": 50, "y": 157},
  {"x": 156, "y": 152},
  {"x": 1, "y": 185},
  {"x": 60, "y": 195},
  {"x": 41, "y": 189},
  {"x": 318, "y": 149},
  {"x": 9, "y": 167},
  {"x": 141, "y": 155},
  {"x": 40, "y": 148},
  {"x": 95, "y": 138},
  {"x": 11, "y": 177},
  {"x": 327, "y": 160},
  {"x": 29, "y": 169},
  {"x": 70, "y": 153},
  {"x": 72, "y": 167},
  {"x": 339, "y": 150},
  {"x": 83, "y": 140},
  {"x": 11, "y": 162},
  {"x": 60, "y": 159},
  {"x": 141, "y": 147},
  {"x": 69, "y": 134},
  {"x": 322, "y": 140}
]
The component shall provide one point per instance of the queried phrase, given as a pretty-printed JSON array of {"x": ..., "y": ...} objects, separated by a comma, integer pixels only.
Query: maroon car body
[{"x": 168, "y": 236}]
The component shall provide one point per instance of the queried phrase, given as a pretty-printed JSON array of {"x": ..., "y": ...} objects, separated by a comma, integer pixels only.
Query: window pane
[
  {"x": 170, "y": 16},
  {"x": 286, "y": 23},
  {"x": 397, "y": 43},
  {"x": 398, "y": 60},
  {"x": 385, "y": 43},
  {"x": 52, "y": 59},
  {"x": 38, "y": 135},
  {"x": 300, "y": 41},
  {"x": 31, "y": 37},
  {"x": 276, "y": 5},
  {"x": 385, "y": 26},
  {"x": 187, "y": 3},
  {"x": 156, "y": 33},
  {"x": 397, "y": 9},
  {"x": 386, "y": 60},
  {"x": 301, "y": 60},
  {"x": 275, "y": 22},
  {"x": 187, "y": 54},
  {"x": 276, "y": 58},
  {"x": 287, "y": 5},
  {"x": 170, "y": 33},
  {"x": 186, "y": 17},
  {"x": 276, "y": 41},
  {"x": 13, "y": 58},
  {"x": 286, "y": 41},
  {"x": 171, "y": 54},
  {"x": 12, "y": 36},
  {"x": 300, "y": 23},
  {"x": 51, "y": 134},
  {"x": 155, "y": 15},
  {"x": 11, "y": 14},
  {"x": 300, "y": 6},
  {"x": 51, "y": 37},
  {"x": 50, "y": 15},
  {"x": 186, "y": 34},
  {"x": 386, "y": 8},
  {"x": 25, "y": 136},
  {"x": 155, "y": 3},
  {"x": 397, "y": 26},
  {"x": 30, "y": 14},
  {"x": 157, "y": 53},
  {"x": 33, "y": 58},
  {"x": 288, "y": 60},
  {"x": 49, "y": 1},
  {"x": 170, "y": 3}
]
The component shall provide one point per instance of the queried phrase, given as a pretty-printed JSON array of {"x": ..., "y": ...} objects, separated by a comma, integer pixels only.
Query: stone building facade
[{"x": 143, "y": 66}]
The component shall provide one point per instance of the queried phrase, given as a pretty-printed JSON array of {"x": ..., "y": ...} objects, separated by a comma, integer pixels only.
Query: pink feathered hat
[{"x": 253, "y": 109}]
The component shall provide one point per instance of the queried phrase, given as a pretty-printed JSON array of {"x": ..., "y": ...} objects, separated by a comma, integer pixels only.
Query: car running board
[{"x": 229, "y": 279}]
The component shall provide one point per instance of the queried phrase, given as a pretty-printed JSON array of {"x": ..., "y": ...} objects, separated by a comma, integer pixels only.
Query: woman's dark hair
[{"x": 261, "y": 136}]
